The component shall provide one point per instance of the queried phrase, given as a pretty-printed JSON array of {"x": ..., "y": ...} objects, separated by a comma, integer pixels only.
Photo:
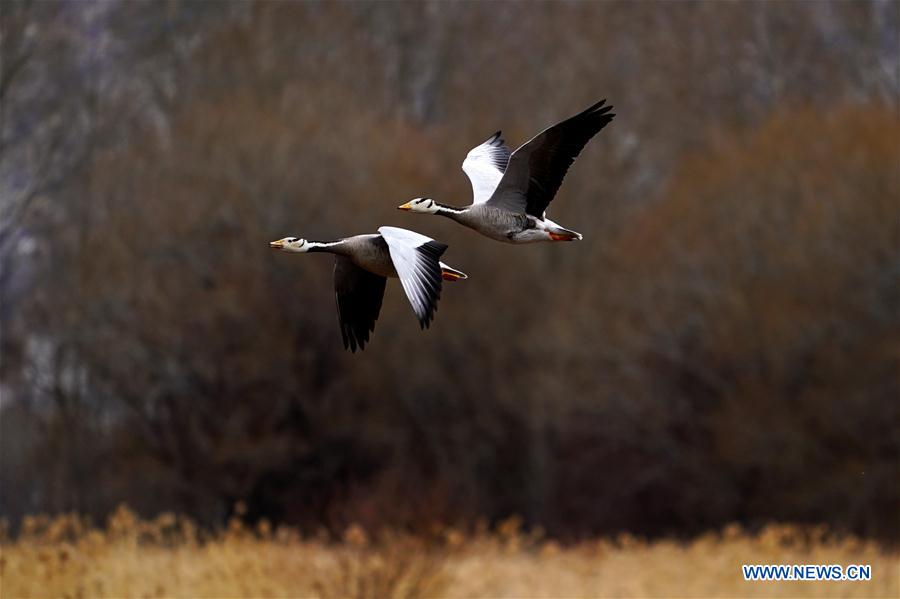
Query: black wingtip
[
  {"x": 434, "y": 248},
  {"x": 599, "y": 115},
  {"x": 362, "y": 339},
  {"x": 425, "y": 323},
  {"x": 352, "y": 341},
  {"x": 598, "y": 108}
]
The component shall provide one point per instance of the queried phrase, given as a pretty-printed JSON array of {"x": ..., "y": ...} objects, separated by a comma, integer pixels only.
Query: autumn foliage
[{"x": 170, "y": 557}]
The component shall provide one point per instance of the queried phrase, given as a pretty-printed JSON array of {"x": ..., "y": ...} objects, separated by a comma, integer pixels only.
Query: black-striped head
[
  {"x": 421, "y": 205},
  {"x": 290, "y": 244}
]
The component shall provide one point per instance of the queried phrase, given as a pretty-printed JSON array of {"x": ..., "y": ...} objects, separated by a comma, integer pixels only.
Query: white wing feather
[
  {"x": 415, "y": 258},
  {"x": 403, "y": 237},
  {"x": 485, "y": 165}
]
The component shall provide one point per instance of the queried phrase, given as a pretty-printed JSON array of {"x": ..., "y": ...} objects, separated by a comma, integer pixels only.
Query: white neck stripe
[
  {"x": 450, "y": 209},
  {"x": 324, "y": 244}
]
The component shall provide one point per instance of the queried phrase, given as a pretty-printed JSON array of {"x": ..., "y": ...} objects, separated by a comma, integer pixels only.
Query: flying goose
[
  {"x": 512, "y": 191},
  {"x": 362, "y": 263}
]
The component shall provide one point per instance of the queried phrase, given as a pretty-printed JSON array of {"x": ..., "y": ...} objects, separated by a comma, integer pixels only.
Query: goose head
[
  {"x": 421, "y": 205},
  {"x": 290, "y": 244}
]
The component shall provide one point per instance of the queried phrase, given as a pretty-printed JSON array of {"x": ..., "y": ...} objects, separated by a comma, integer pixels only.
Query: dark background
[{"x": 723, "y": 345}]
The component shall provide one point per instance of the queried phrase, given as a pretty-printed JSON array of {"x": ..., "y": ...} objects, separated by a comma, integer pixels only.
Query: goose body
[
  {"x": 362, "y": 265},
  {"x": 505, "y": 225},
  {"x": 511, "y": 191}
]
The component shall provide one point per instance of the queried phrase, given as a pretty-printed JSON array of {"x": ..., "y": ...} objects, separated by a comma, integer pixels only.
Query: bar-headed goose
[
  {"x": 512, "y": 191},
  {"x": 361, "y": 265}
]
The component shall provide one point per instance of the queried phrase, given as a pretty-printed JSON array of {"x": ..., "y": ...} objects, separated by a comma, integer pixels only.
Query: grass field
[{"x": 169, "y": 557}]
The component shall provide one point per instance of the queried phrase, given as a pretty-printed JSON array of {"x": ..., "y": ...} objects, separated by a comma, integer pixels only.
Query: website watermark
[{"x": 759, "y": 572}]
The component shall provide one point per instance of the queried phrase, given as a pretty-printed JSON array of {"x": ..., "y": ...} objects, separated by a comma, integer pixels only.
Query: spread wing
[
  {"x": 359, "y": 294},
  {"x": 536, "y": 169},
  {"x": 484, "y": 165},
  {"x": 416, "y": 259}
]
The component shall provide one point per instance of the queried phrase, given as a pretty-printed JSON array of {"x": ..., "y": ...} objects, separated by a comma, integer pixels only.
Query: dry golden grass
[{"x": 169, "y": 557}]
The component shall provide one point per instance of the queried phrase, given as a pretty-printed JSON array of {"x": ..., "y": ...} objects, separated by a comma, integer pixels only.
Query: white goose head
[
  {"x": 421, "y": 205},
  {"x": 291, "y": 244}
]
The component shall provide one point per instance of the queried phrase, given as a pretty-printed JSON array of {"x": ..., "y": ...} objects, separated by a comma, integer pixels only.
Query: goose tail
[
  {"x": 560, "y": 234},
  {"x": 451, "y": 274}
]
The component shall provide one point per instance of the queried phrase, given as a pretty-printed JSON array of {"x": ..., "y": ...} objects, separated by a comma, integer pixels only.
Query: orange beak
[
  {"x": 406, "y": 206},
  {"x": 276, "y": 244}
]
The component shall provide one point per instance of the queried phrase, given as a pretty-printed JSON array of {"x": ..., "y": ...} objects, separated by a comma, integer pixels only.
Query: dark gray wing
[
  {"x": 359, "y": 294},
  {"x": 536, "y": 170}
]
